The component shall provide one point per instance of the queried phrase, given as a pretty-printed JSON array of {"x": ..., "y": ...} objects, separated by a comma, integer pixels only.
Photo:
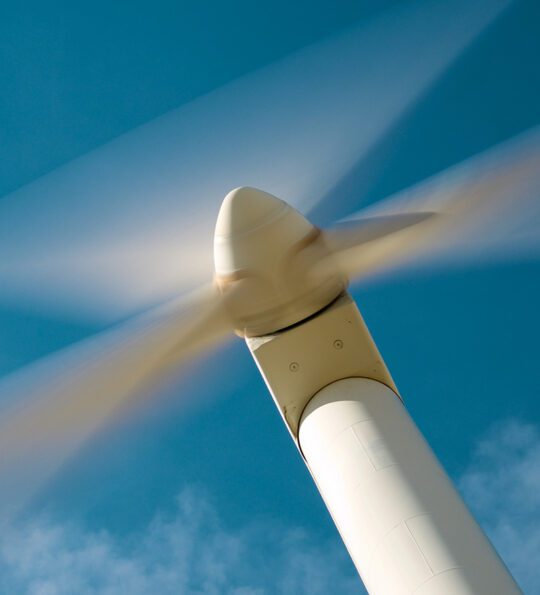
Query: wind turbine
[{"x": 282, "y": 284}]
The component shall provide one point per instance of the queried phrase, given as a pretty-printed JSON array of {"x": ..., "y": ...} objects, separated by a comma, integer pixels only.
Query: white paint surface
[{"x": 404, "y": 524}]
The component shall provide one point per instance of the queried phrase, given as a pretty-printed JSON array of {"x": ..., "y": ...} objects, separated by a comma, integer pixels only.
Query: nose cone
[
  {"x": 245, "y": 209},
  {"x": 254, "y": 230}
]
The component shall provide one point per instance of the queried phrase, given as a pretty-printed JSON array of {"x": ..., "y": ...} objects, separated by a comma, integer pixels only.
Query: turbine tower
[{"x": 404, "y": 524}]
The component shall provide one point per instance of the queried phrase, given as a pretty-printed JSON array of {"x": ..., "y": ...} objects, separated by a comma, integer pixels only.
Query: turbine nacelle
[{"x": 265, "y": 257}]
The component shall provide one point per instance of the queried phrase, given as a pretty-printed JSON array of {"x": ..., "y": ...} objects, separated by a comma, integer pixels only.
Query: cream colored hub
[
  {"x": 298, "y": 362},
  {"x": 265, "y": 254}
]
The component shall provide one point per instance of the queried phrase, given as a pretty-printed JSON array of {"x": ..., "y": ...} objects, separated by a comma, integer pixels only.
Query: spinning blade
[
  {"x": 130, "y": 225},
  {"x": 50, "y": 408},
  {"x": 485, "y": 208}
]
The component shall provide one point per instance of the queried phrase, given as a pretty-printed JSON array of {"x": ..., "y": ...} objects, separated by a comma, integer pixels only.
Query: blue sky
[{"x": 205, "y": 470}]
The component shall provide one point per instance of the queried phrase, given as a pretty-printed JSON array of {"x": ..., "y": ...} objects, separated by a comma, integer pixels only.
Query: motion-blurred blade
[
  {"x": 353, "y": 233},
  {"x": 131, "y": 224},
  {"x": 486, "y": 208},
  {"x": 48, "y": 409}
]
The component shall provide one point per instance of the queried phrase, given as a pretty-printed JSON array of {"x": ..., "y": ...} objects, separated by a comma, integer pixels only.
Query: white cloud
[
  {"x": 502, "y": 487},
  {"x": 189, "y": 552}
]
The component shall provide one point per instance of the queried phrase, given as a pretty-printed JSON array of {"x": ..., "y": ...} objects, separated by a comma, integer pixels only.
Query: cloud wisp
[
  {"x": 188, "y": 552},
  {"x": 502, "y": 487}
]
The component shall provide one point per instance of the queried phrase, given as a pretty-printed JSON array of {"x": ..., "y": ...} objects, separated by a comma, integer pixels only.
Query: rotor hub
[{"x": 268, "y": 262}]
